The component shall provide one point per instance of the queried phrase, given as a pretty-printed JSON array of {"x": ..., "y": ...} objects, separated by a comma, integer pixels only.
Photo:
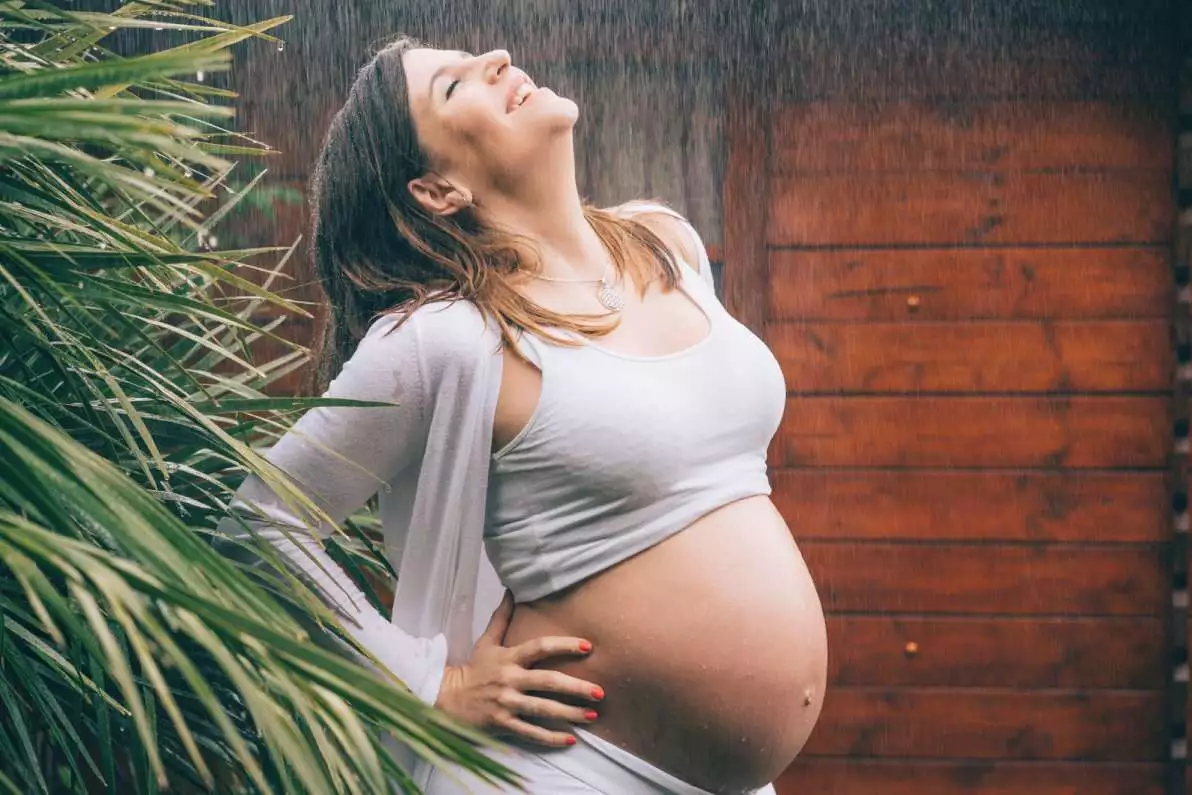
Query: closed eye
[{"x": 451, "y": 88}]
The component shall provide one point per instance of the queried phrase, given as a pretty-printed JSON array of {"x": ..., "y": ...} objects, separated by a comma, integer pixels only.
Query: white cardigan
[{"x": 428, "y": 458}]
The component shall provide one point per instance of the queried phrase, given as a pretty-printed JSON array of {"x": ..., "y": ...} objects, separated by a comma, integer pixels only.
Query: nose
[{"x": 495, "y": 63}]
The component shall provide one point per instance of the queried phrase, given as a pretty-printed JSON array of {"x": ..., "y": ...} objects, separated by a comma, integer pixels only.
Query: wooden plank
[
  {"x": 947, "y": 71},
  {"x": 963, "y": 284},
  {"x": 988, "y": 579},
  {"x": 974, "y": 506},
  {"x": 832, "y": 137},
  {"x": 861, "y": 53},
  {"x": 914, "y": 651},
  {"x": 1106, "y": 356},
  {"x": 945, "y": 208},
  {"x": 827, "y": 776},
  {"x": 1118, "y": 726},
  {"x": 746, "y": 276},
  {"x": 972, "y": 432}
]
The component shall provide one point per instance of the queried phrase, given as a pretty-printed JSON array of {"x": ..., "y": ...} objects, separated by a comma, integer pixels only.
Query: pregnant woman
[{"x": 572, "y": 471}]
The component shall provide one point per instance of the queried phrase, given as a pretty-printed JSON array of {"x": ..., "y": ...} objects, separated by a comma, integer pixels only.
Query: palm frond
[{"x": 132, "y": 403}]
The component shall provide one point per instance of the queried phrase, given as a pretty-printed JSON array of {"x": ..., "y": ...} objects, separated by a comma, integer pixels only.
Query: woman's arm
[{"x": 340, "y": 457}]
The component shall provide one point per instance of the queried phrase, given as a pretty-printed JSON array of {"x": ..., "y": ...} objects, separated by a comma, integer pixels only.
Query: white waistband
[{"x": 597, "y": 762}]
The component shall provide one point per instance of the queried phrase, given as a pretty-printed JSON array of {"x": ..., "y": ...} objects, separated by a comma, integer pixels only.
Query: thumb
[{"x": 495, "y": 631}]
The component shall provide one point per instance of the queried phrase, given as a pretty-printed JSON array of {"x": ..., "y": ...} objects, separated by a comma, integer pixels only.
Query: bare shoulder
[{"x": 675, "y": 231}]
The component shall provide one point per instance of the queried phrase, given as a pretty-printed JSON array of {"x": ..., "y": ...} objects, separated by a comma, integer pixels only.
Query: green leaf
[{"x": 134, "y": 400}]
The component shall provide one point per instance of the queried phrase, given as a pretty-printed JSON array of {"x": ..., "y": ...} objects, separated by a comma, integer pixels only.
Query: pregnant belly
[{"x": 711, "y": 648}]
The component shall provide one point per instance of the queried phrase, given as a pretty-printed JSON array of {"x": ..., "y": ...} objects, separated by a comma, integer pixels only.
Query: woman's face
[{"x": 481, "y": 120}]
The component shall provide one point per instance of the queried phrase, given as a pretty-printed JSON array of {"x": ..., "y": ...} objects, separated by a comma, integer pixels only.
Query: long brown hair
[{"x": 376, "y": 250}]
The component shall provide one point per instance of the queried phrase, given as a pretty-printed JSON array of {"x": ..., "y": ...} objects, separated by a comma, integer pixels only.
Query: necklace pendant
[{"x": 610, "y": 297}]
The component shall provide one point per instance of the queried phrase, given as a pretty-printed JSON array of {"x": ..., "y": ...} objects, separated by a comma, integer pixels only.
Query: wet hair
[{"x": 376, "y": 250}]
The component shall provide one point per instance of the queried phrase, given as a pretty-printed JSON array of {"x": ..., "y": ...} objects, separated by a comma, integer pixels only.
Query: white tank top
[{"x": 624, "y": 451}]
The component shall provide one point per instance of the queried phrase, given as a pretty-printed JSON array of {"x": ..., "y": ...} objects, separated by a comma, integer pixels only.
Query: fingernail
[
  {"x": 584, "y": 646},
  {"x": 598, "y": 693},
  {"x": 571, "y": 741},
  {"x": 591, "y": 715}
]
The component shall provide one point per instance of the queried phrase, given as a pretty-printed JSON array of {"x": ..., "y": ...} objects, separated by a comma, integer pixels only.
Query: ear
[{"x": 438, "y": 196}]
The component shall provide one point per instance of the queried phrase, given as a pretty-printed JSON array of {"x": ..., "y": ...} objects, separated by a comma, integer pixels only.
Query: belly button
[{"x": 807, "y": 696}]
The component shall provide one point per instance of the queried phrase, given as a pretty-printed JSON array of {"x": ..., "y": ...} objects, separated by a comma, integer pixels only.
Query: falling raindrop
[
  {"x": 200, "y": 76},
  {"x": 281, "y": 46},
  {"x": 149, "y": 172}
]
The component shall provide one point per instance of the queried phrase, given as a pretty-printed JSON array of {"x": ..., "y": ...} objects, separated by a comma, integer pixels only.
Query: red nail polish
[
  {"x": 571, "y": 741},
  {"x": 598, "y": 693},
  {"x": 584, "y": 646},
  {"x": 591, "y": 715}
]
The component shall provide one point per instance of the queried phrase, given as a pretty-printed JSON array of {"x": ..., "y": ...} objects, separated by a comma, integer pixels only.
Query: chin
[
  {"x": 572, "y": 109},
  {"x": 562, "y": 111}
]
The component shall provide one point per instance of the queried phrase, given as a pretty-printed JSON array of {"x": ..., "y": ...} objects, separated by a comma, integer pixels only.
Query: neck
[{"x": 547, "y": 208}]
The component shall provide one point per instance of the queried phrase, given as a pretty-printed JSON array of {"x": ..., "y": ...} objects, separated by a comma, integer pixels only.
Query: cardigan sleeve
[{"x": 340, "y": 457}]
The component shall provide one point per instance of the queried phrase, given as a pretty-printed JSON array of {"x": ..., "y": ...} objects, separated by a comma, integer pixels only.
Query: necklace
[{"x": 608, "y": 295}]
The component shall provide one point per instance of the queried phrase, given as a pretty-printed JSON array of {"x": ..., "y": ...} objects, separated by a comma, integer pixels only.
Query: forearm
[{"x": 418, "y": 662}]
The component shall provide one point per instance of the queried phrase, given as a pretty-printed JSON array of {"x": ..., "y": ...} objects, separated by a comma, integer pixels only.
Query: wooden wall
[
  {"x": 960, "y": 251},
  {"x": 952, "y": 221}
]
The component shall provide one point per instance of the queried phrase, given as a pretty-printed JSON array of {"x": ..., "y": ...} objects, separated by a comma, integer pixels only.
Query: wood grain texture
[
  {"x": 967, "y": 358},
  {"x": 1036, "y": 50},
  {"x": 825, "y": 776},
  {"x": 1068, "y": 653},
  {"x": 989, "y": 579},
  {"x": 970, "y": 136},
  {"x": 974, "y": 432},
  {"x": 1118, "y": 726},
  {"x": 948, "y": 207},
  {"x": 971, "y": 284},
  {"x": 883, "y": 505}
]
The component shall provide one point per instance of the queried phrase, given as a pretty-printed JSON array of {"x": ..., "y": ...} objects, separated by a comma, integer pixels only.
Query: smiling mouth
[{"x": 523, "y": 93}]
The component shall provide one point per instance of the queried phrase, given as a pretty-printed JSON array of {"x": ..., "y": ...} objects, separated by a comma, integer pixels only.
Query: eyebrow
[{"x": 434, "y": 78}]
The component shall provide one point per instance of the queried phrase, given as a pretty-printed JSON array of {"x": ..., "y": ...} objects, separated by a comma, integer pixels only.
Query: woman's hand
[{"x": 489, "y": 691}]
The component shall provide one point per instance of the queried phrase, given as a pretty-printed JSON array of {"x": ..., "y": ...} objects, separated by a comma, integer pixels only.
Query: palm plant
[{"x": 133, "y": 657}]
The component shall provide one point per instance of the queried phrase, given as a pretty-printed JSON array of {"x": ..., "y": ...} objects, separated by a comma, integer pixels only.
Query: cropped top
[
  {"x": 623, "y": 451},
  {"x": 427, "y": 455}
]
